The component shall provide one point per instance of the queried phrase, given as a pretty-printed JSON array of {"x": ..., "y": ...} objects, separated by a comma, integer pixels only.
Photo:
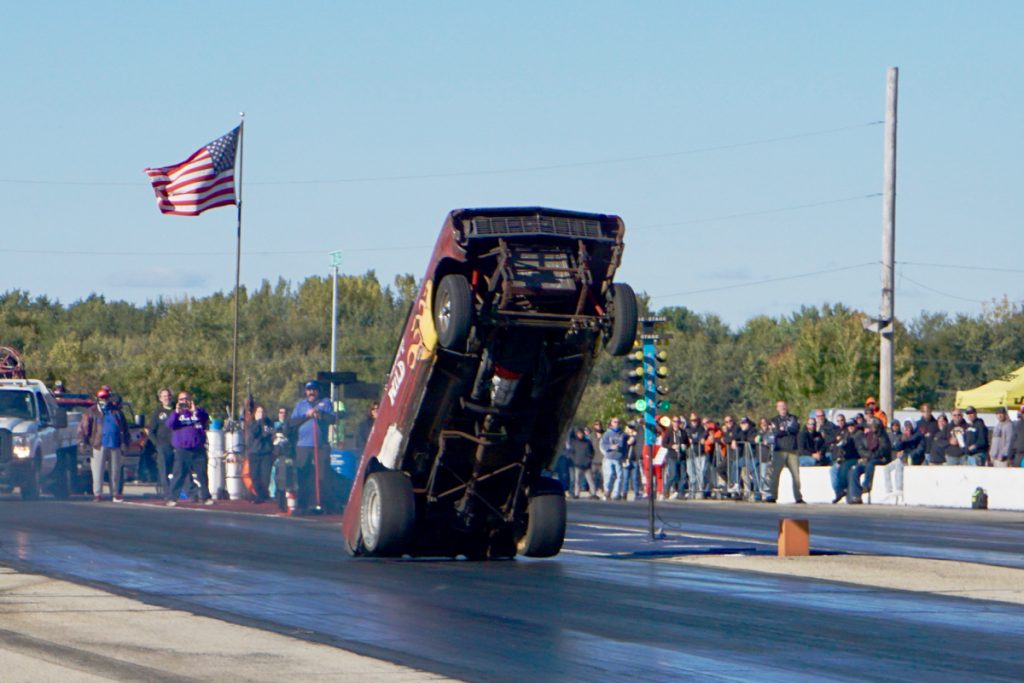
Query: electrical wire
[
  {"x": 961, "y": 267},
  {"x": 766, "y": 281},
  {"x": 484, "y": 172},
  {"x": 938, "y": 291},
  {"x": 762, "y": 212}
]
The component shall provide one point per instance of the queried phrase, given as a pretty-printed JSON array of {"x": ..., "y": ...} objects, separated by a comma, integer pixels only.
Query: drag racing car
[{"x": 515, "y": 307}]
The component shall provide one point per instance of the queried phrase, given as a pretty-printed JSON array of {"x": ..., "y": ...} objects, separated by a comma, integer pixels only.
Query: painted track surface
[{"x": 603, "y": 610}]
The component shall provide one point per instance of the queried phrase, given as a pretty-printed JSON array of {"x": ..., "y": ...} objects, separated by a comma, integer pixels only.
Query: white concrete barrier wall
[{"x": 935, "y": 486}]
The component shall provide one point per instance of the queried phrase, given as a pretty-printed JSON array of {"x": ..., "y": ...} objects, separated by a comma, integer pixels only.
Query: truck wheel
[
  {"x": 453, "y": 311},
  {"x": 387, "y": 515},
  {"x": 624, "y": 319},
  {"x": 30, "y": 484},
  {"x": 545, "y": 523}
]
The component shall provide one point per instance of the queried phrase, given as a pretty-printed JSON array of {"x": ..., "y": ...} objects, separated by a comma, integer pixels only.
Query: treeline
[
  {"x": 284, "y": 339},
  {"x": 814, "y": 357}
]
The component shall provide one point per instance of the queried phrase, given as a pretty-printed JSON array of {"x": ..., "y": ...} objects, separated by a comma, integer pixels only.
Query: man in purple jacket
[{"x": 188, "y": 438}]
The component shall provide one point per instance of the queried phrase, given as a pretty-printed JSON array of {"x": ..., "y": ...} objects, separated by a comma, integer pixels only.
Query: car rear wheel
[
  {"x": 453, "y": 311},
  {"x": 624, "y": 318},
  {"x": 387, "y": 514},
  {"x": 545, "y": 524}
]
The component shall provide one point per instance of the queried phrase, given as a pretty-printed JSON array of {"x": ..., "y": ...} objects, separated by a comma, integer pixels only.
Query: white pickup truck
[{"x": 37, "y": 443}]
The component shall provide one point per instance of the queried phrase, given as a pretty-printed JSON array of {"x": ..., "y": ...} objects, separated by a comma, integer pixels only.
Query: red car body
[{"x": 494, "y": 357}]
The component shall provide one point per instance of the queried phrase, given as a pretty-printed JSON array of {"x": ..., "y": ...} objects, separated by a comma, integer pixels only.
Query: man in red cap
[{"x": 104, "y": 429}]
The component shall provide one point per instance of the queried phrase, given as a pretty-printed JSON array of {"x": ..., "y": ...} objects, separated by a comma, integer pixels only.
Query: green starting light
[
  {"x": 640, "y": 405},
  {"x": 663, "y": 406}
]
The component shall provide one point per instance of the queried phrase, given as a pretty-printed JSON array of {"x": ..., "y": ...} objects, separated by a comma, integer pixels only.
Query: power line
[
  {"x": 794, "y": 207},
  {"x": 308, "y": 252},
  {"x": 938, "y": 291},
  {"x": 769, "y": 280},
  {"x": 961, "y": 267},
  {"x": 482, "y": 172}
]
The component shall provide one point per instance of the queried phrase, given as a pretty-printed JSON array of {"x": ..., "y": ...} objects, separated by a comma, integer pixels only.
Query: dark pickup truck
[{"x": 513, "y": 310}]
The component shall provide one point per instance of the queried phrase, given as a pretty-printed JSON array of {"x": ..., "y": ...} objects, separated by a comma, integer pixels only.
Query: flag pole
[{"x": 238, "y": 268}]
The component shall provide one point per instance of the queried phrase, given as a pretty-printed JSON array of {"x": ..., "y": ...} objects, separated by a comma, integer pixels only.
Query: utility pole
[{"x": 887, "y": 315}]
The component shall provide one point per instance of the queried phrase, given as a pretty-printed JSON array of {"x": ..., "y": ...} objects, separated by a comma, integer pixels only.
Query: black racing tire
[
  {"x": 30, "y": 485},
  {"x": 545, "y": 523},
  {"x": 387, "y": 514},
  {"x": 623, "y": 311},
  {"x": 453, "y": 311}
]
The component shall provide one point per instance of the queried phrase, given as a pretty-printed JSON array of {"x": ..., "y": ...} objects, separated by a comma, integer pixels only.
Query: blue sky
[{"x": 738, "y": 140}]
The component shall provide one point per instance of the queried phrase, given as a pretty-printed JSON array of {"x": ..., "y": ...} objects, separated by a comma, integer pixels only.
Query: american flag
[{"x": 204, "y": 181}]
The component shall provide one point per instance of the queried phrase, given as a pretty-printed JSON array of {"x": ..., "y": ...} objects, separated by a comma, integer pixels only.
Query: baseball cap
[
  {"x": 870, "y": 401},
  {"x": 313, "y": 384},
  {"x": 970, "y": 409},
  {"x": 103, "y": 393},
  {"x": 745, "y": 420}
]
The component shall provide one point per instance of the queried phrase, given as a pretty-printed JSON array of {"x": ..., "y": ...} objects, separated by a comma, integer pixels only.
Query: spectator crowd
[
  {"x": 701, "y": 457},
  {"x": 289, "y": 457}
]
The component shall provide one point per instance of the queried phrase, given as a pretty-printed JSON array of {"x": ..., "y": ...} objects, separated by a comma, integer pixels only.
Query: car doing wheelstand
[{"x": 495, "y": 354}]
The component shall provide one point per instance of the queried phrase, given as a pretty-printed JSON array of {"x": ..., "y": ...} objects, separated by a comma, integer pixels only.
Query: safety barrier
[{"x": 926, "y": 486}]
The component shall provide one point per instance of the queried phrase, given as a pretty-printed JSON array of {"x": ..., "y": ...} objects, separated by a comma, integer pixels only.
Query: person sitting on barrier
[
  {"x": 188, "y": 424},
  {"x": 846, "y": 457},
  {"x": 311, "y": 419},
  {"x": 911, "y": 445},
  {"x": 581, "y": 455},
  {"x": 811, "y": 445},
  {"x": 874, "y": 449},
  {"x": 825, "y": 427},
  {"x": 834, "y": 447},
  {"x": 259, "y": 451},
  {"x": 908, "y": 449}
]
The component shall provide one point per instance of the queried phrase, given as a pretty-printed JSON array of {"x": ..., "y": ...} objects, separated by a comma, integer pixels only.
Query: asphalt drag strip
[{"x": 53, "y": 630}]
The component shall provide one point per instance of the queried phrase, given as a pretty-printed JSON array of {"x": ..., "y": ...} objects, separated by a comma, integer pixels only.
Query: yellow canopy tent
[{"x": 1007, "y": 392}]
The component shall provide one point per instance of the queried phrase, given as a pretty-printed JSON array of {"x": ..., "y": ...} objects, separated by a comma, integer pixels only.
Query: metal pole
[
  {"x": 888, "y": 312},
  {"x": 334, "y": 328},
  {"x": 238, "y": 270},
  {"x": 335, "y": 264}
]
